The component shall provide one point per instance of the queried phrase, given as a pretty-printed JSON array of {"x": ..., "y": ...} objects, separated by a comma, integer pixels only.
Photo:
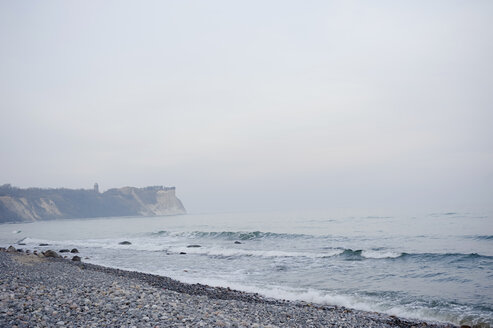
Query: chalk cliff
[{"x": 33, "y": 204}]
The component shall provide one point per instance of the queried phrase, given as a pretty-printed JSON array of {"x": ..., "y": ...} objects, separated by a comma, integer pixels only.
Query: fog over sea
[{"x": 433, "y": 266}]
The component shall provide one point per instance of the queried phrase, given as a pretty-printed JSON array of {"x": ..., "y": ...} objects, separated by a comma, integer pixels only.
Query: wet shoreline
[{"x": 45, "y": 292}]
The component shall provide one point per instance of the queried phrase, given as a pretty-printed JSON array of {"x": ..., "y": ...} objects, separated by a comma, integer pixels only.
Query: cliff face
[{"x": 32, "y": 204}]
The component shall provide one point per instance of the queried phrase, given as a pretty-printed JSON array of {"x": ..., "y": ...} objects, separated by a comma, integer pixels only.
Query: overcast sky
[{"x": 253, "y": 104}]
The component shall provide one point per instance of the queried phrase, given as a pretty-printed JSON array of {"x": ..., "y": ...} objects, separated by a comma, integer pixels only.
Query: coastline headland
[
  {"x": 36, "y": 290},
  {"x": 33, "y": 204}
]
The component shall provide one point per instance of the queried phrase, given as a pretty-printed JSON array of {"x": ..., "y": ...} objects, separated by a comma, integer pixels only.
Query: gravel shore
[{"x": 36, "y": 291}]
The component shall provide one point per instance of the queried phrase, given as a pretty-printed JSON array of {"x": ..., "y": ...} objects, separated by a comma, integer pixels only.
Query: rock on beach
[
  {"x": 35, "y": 292},
  {"x": 50, "y": 253}
]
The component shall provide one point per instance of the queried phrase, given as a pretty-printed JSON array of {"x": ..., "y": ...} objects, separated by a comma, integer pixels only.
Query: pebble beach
[{"x": 37, "y": 291}]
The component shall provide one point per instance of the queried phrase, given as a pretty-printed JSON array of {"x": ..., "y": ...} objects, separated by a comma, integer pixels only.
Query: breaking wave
[
  {"x": 348, "y": 254},
  {"x": 484, "y": 237},
  {"x": 230, "y": 235}
]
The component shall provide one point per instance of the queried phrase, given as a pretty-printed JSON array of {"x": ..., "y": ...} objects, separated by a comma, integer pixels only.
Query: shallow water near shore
[{"x": 435, "y": 266}]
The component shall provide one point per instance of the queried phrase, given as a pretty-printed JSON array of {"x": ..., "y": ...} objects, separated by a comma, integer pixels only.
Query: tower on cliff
[{"x": 96, "y": 188}]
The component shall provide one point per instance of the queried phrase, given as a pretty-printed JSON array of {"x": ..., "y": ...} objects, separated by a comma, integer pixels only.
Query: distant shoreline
[
  {"x": 114, "y": 297},
  {"x": 36, "y": 204}
]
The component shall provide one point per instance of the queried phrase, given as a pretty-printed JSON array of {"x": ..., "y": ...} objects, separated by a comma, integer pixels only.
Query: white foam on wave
[
  {"x": 370, "y": 304},
  {"x": 382, "y": 304},
  {"x": 218, "y": 251},
  {"x": 371, "y": 254},
  {"x": 29, "y": 241},
  {"x": 141, "y": 244},
  {"x": 169, "y": 245}
]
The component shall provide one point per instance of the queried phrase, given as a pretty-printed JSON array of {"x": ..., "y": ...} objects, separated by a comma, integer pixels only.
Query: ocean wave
[
  {"x": 372, "y": 254},
  {"x": 450, "y": 257},
  {"x": 360, "y": 254},
  {"x": 347, "y": 254},
  {"x": 230, "y": 235},
  {"x": 384, "y": 302},
  {"x": 437, "y": 214},
  {"x": 174, "y": 245},
  {"x": 159, "y": 233},
  {"x": 231, "y": 252},
  {"x": 136, "y": 244},
  {"x": 482, "y": 237}
]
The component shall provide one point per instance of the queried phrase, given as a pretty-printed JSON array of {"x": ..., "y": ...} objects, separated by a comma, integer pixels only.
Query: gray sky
[{"x": 252, "y": 104}]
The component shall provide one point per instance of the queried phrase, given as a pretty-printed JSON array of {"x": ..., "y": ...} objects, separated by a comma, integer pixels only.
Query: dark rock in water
[
  {"x": 125, "y": 243},
  {"x": 44, "y": 244},
  {"x": 50, "y": 253},
  {"x": 3, "y": 249},
  {"x": 76, "y": 258},
  {"x": 237, "y": 242},
  {"x": 11, "y": 249},
  {"x": 28, "y": 251},
  {"x": 64, "y": 250},
  {"x": 182, "y": 253},
  {"x": 74, "y": 250},
  {"x": 20, "y": 250},
  {"x": 193, "y": 246},
  {"x": 22, "y": 244}
]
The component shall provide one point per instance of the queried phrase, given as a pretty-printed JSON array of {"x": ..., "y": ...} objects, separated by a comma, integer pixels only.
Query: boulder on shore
[
  {"x": 74, "y": 250},
  {"x": 76, "y": 258},
  {"x": 11, "y": 249},
  {"x": 50, "y": 253}
]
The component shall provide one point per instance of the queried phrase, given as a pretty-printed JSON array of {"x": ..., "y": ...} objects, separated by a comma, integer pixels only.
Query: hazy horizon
[{"x": 252, "y": 106}]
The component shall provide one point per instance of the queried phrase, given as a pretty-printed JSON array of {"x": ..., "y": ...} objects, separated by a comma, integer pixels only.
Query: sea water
[{"x": 435, "y": 266}]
